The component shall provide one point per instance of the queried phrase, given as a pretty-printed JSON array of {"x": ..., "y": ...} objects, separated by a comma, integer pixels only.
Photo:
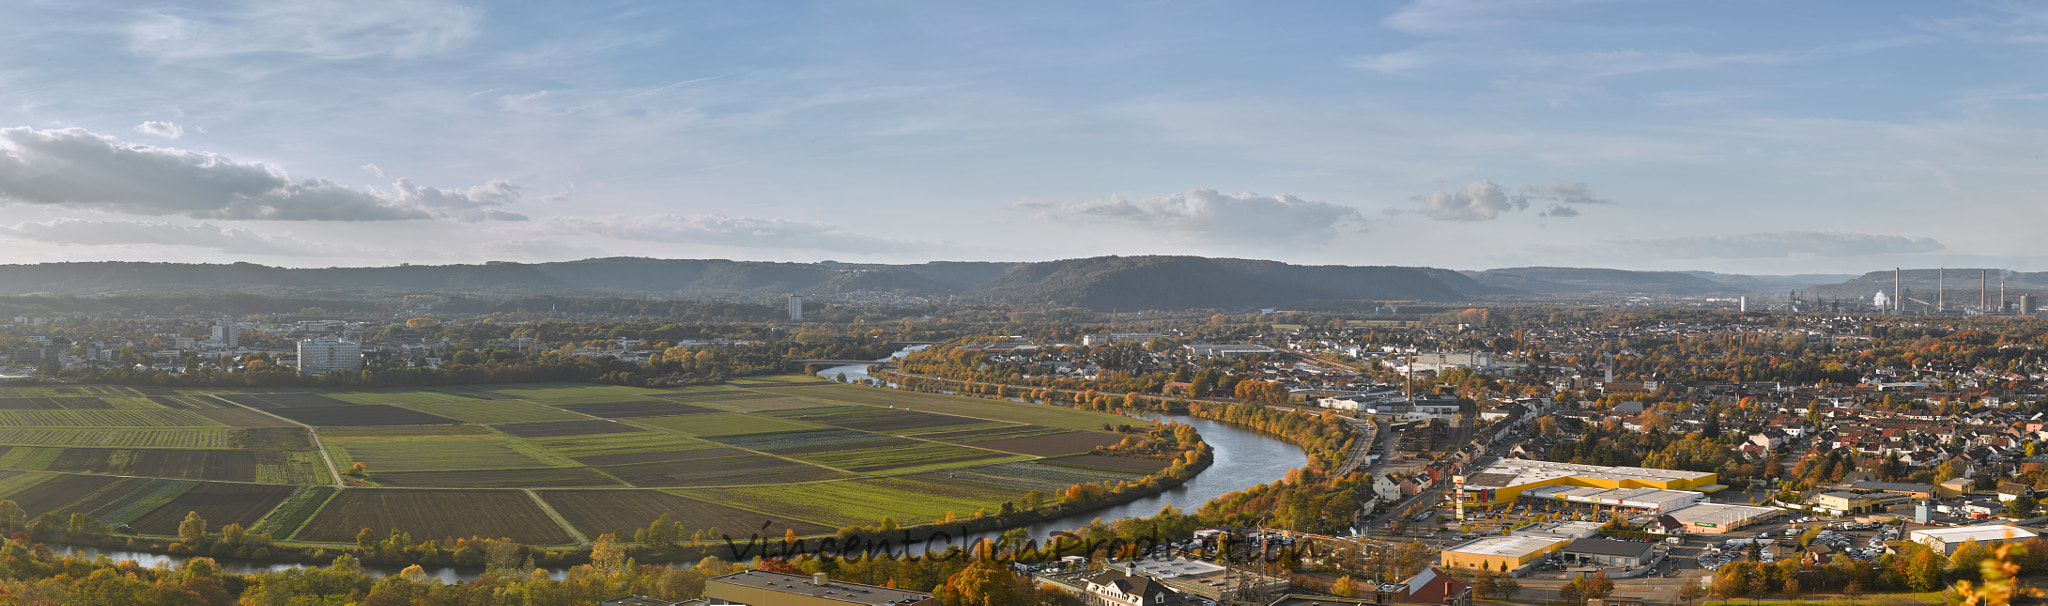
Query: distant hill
[
  {"x": 1101, "y": 283},
  {"x": 1771, "y": 284},
  {"x": 1582, "y": 280},
  {"x": 1151, "y": 282},
  {"x": 1961, "y": 283}
]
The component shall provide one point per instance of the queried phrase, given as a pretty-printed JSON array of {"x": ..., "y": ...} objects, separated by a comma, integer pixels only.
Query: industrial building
[
  {"x": 1509, "y": 479},
  {"x": 1500, "y": 553},
  {"x": 1842, "y": 502},
  {"x": 318, "y": 356},
  {"x": 1717, "y": 518},
  {"x": 1562, "y": 531},
  {"x": 1946, "y": 540},
  {"x": 1609, "y": 552},
  {"x": 763, "y": 588},
  {"x": 1227, "y": 350}
]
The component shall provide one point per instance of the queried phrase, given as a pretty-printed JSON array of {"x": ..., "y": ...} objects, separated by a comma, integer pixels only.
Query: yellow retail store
[{"x": 1500, "y": 553}]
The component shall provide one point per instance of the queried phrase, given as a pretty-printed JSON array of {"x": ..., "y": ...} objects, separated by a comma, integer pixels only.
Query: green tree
[
  {"x": 193, "y": 529},
  {"x": 984, "y": 582}
]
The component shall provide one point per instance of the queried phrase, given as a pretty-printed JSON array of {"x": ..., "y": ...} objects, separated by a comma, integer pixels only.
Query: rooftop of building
[
  {"x": 1721, "y": 513},
  {"x": 1510, "y": 546},
  {"x": 1998, "y": 532},
  {"x": 1610, "y": 547},
  {"x": 1516, "y": 472},
  {"x": 841, "y": 591}
]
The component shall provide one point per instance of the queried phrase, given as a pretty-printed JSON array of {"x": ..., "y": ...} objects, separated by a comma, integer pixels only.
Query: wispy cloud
[
  {"x": 1206, "y": 214},
  {"x": 320, "y": 29}
]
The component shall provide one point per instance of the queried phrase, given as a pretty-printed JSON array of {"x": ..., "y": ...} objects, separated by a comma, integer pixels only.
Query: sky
[{"x": 1741, "y": 136}]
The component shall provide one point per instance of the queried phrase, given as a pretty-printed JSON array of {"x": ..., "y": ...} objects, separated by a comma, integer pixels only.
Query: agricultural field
[
  {"x": 596, "y": 512},
  {"x": 634, "y": 409},
  {"x": 864, "y": 501},
  {"x": 903, "y": 459},
  {"x": 221, "y": 504},
  {"x": 746, "y": 468},
  {"x": 1051, "y": 445},
  {"x": 443, "y": 515},
  {"x": 725, "y": 424},
  {"x": 1029, "y": 475},
  {"x": 551, "y": 429},
  {"x": 617, "y": 443},
  {"x": 1111, "y": 464},
  {"x": 125, "y": 438},
  {"x": 544, "y": 477},
  {"x": 358, "y": 415},
  {"x": 994, "y": 410},
  {"x": 430, "y": 453},
  {"x": 444, "y": 462},
  {"x": 293, "y": 513}
]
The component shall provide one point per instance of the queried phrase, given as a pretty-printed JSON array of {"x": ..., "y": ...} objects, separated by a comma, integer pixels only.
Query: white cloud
[
  {"x": 742, "y": 232},
  {"x": 321, "y": 29},
  {"x": 1479, "y": 201},
  {"x": 166, "y": 130},
  {"x": 76, "y": 168},
  {"x": 1206, "y": 214},
  {"x": 1776, "y": 245},
  {"x": 1559, "y": 211},
  {"x": 79, "y": 232}
]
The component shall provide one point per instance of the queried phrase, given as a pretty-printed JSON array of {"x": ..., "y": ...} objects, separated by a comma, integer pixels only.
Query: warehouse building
[
  {"x": 1717, "y": 518},
  {"x": 1842, "y": 502},
  {"x": 1946, "y": 540},
  {"x": 1500, "y": 553},
  {"x": 1609, "y": 552},
  {"x": 1509, "y": 479},
  {"x": 1562, "y": 531}
]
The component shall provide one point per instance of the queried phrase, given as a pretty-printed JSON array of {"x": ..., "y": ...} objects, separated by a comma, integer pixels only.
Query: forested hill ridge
[{"x": 1103, "y": 283}]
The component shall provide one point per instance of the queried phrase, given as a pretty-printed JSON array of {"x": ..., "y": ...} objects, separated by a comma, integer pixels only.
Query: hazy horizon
[{"x": 1735, "y": 137}]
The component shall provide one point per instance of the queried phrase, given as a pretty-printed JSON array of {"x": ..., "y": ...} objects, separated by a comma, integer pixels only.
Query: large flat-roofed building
[
  {"x": 1508, "y": 479},
  {"x": 1500, "y": 553},
  {"x": 1916, "y": 491},
  {"x": 1609, "y": 552},
  {"x": 1227, "y": 350},
  {"x": 1717, "y": 518},
  {"x": 1842, "y": 502},
  {"x": 1563, "y": 531},
  {"x": 1946, "y": 540},
  {"x": 317, "y": 356},
  {"x": 763, "y": 588}
]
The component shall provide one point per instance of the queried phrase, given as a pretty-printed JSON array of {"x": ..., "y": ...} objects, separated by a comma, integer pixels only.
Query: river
[{"x": 1243, "y": 459}]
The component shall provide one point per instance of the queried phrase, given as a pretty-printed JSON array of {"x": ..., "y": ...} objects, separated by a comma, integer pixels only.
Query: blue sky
[{"x": 1739, "y": 136}]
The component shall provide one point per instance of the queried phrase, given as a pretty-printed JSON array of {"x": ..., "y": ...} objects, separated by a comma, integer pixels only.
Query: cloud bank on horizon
[{"x": 1825, "y": 137}]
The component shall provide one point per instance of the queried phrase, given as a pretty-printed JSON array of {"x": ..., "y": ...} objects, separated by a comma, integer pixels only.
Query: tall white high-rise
[
  {"x": 796, "y": 307},
  {"x": 224, "y": 332},
  {"x": 324, "y": 355}
]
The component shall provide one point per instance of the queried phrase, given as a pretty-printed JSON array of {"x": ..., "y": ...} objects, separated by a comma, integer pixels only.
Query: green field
[
  {"x": 813, "y": 454},
  {"x": 995, "y": 410},
  {"x": 859, "y": 501},
  {"x": 724, "y": 424},
  {"x": 130, "y": 437}
]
